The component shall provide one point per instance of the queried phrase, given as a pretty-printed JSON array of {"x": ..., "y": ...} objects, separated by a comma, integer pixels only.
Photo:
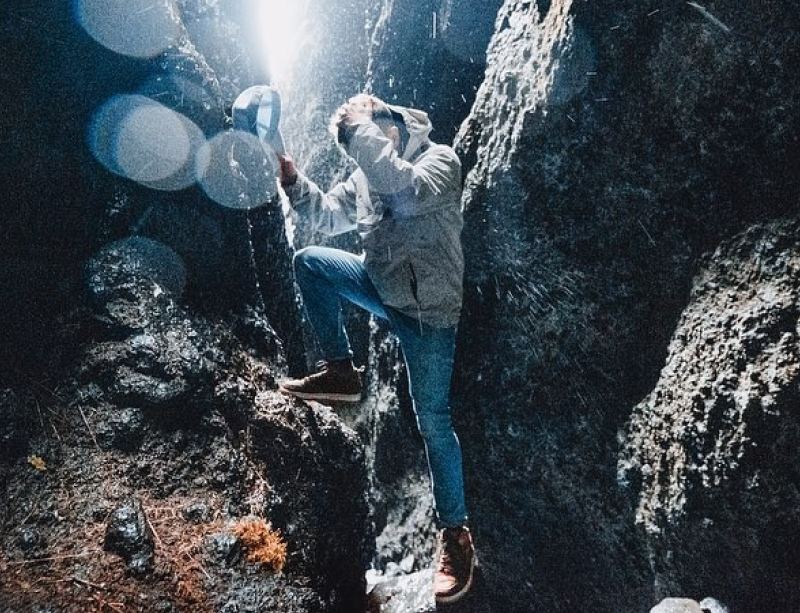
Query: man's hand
[
  {"x": 287, "y": 170},
  {"x": 355, "y": 111}
]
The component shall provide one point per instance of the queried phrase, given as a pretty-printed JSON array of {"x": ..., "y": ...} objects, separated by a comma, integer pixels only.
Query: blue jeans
[{"x": 326, "y": 276}]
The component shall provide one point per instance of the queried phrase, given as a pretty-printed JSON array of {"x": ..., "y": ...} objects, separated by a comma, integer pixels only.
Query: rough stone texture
[
  {"x": 65, "y": 205},
  {"x": 161, "y": 356},
  {"x": 410, "y": 594},
  {"x": 610, "y": 144},
  {"x": 710, "y": 449},
  {"x": 413, "y": 593},
  {"x": 250, "y": 453},
  {"x": 177, "y": 413},
  {"x": 712, "y": 605},
  {"x": 129, "y": 535},
  {"x": 249, "y": 595},
  {"x": 319, "y": 496},
  {"x": 124, "y": 429},
  {"x": 126, "y": 278},
  {"x": 686, "y": 605}
]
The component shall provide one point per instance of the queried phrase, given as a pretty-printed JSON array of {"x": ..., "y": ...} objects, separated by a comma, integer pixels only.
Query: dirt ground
[{"x": 57, "y": 499}]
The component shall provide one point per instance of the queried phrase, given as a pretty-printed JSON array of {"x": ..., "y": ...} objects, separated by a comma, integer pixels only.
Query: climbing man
[{"x": 404, "y": 200}]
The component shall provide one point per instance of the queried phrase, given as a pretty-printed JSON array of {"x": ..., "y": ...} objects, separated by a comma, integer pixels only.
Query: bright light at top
[{"x": 281, "y": 28}]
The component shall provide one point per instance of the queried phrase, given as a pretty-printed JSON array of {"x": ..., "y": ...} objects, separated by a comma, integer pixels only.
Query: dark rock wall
[
  {"x": 60, "y": 204},
  {"x": 181, "y": 412},
  {"x": 712, "y": 449},
  {"x": 610, "y": 144}
]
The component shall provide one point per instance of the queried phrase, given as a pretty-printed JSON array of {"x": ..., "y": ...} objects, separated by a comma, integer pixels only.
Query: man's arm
[
  {"x": 436, "y": 172},
  {"x": 330, "y": 213},
  {"x": 386, "y": 171}
]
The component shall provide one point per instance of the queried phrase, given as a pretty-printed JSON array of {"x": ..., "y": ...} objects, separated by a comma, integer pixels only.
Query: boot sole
[
  {"x": 330, "y": 397},
  {"x": 462, "y": 592}
]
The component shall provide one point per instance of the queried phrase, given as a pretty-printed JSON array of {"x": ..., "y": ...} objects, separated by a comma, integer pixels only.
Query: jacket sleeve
[
  {"x": 435, "y": 172},
  {"x": 330, "y": 213}
]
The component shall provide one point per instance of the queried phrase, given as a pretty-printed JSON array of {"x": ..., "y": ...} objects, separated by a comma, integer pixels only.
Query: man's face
[
  {"x": 365, "y": 106},
  {"x": 377, "y": 106}
]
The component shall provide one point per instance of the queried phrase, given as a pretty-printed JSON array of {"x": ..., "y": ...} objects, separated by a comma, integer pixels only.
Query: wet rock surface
[
  {"x": 686, "y": 605},
  {"x": 252, "y": 596},
  {"x": 167, "y": 433},
  {"x": 161, "y": 357},
  {"x": 413, "y": 593},
  {"x": 610, "y": 145},
  {"x": 677, "y": 605},
  {"x": 129, "y": 535},
  {"x": 126, "y": 277},
  {"x": 406, "y": 594},
  {"x": 708, "y": 448},
  {"x": 123, "y": 429}
]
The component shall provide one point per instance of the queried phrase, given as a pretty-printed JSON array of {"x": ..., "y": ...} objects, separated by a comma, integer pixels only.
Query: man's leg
[
  {"x": 429, "y": 355},
  {"x": 325, "y": 277}
]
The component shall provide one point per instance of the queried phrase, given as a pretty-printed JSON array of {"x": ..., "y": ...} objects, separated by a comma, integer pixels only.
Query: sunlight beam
[{"x": 280, "y": 24}]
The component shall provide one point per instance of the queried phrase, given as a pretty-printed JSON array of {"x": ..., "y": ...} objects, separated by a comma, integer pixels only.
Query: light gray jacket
[{"x": 408, "y": 213}]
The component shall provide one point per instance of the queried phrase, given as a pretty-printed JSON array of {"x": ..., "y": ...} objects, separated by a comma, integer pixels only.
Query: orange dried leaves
[{"x": 262, "y": 544}]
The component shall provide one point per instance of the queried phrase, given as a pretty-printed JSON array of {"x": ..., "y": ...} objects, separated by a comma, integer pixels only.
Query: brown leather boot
[
  {"x": 453, "y": 576},
  {"x": 336, "y": 381}
]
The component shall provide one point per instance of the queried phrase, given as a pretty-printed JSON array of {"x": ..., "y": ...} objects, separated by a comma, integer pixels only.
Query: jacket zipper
[{"x": 414, "y": 288}]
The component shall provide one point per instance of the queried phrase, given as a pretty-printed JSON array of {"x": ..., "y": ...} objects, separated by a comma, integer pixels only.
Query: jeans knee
[
  {"x": 306, "y": 263},
  {"x": 301, "y": 259}
]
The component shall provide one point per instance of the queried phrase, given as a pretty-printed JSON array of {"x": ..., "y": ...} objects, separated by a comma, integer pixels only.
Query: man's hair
[{"x": 383, "y": 115}]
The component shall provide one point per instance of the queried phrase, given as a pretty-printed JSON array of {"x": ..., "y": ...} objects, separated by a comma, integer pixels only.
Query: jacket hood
[{"x": 419, "y": 128}]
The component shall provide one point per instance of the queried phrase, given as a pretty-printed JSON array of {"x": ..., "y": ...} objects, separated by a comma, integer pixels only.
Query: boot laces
[
  {"x": 323, "y": 366},
  {"x": 450, "y": 552}
]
